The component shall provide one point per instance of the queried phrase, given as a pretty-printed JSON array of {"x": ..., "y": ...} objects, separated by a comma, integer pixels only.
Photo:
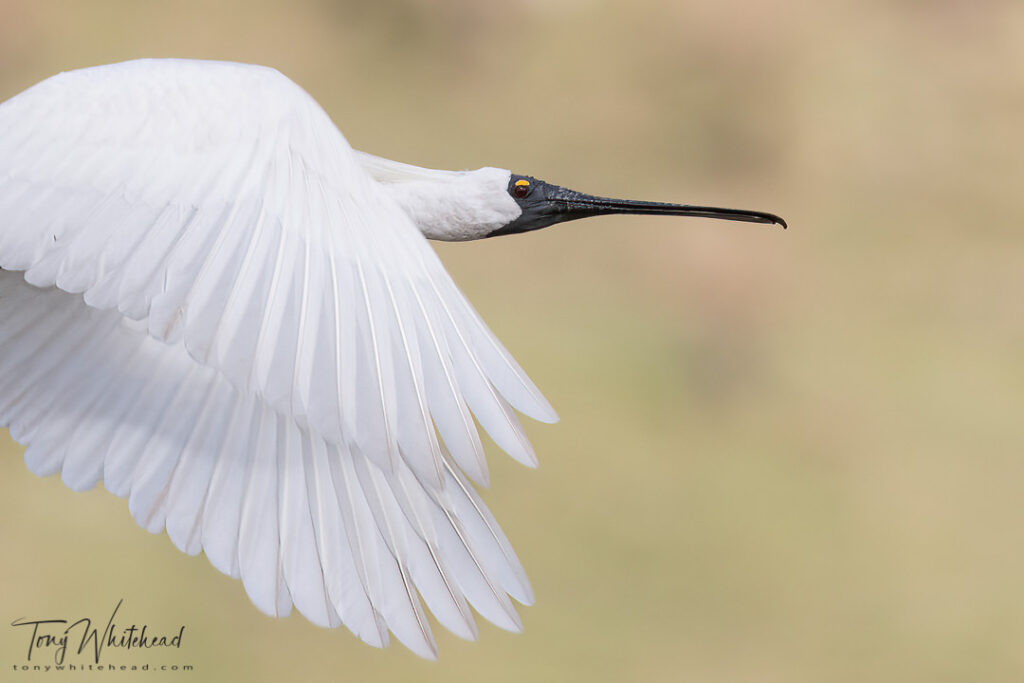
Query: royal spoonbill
[{"x": 214, "y": 304}]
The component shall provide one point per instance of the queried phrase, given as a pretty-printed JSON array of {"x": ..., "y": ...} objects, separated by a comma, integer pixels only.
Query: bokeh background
[{"x": 783, "y": 456}]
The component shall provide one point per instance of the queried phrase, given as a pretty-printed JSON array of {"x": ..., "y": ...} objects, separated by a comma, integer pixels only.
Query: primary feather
[{"x": 211, "y": 302}]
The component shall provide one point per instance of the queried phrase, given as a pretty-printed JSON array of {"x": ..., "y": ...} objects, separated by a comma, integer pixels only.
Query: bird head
[{"x": 543, "y": 204}]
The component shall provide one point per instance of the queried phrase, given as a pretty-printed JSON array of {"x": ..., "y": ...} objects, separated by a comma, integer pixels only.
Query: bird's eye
[{"x": 521, "y": 189}]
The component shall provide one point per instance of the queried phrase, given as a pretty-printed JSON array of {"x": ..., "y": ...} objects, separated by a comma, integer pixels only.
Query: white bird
[{"x": 212, "y": 303}]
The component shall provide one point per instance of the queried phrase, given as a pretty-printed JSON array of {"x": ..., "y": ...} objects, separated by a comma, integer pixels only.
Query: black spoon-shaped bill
[{"x": 544, "y": 204}]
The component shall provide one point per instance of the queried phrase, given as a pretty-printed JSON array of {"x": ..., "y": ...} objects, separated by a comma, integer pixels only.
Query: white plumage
[{"x": 212, "y": 303}]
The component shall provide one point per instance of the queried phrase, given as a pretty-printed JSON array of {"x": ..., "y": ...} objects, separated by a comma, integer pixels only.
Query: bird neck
[{"x": 452, "y": 206}]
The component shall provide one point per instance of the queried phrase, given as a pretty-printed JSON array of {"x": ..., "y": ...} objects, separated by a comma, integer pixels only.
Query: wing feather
[
  {"x": 401, "y": 596},
  {"x": 187, "y": 489},
  {"x": 448, "y": 407},
  {"x": 259, "y": 537},
  {"x": 339, "y": 563},
  {"x": 302, "y": 561},
  {"x": 87, "y": 447},
  {"x": 222, "y": 509}
]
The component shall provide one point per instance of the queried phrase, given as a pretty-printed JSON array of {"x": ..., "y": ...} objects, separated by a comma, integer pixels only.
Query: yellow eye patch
[{"x": 522, "y": 183}]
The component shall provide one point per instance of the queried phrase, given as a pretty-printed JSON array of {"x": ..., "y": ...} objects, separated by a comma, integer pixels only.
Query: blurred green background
[{"x": 783, "y": 456}]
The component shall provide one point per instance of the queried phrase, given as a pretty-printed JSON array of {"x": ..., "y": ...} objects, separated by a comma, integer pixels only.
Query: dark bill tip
[{"x": 735, "y": 215}]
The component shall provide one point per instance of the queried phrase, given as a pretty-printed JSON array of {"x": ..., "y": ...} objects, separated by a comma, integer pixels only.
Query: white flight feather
[
  {"x": 448, "y": 407},
  {"x": 222, "y": 508},
  {"x": 83, "y": 464},
  {"x": 188, "y": 487},
  {"x": 302, "y": 561}
]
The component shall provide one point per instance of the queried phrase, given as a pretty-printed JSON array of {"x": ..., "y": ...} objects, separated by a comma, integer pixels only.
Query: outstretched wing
[{"x": 264, "y": 350}]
